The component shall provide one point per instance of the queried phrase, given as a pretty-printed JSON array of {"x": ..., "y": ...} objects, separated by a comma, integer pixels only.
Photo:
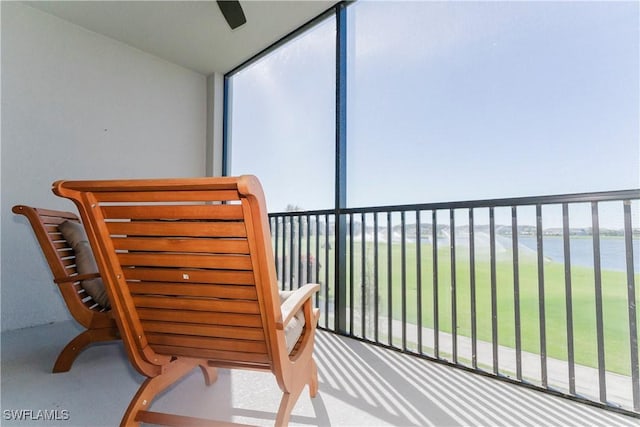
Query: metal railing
[{"x": 539, "y": 291}]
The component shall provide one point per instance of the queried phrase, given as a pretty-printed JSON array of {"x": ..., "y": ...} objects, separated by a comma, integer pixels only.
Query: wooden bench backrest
[
  {"x": 57, "y": 251},
  {"x": 188, "y": 266}
]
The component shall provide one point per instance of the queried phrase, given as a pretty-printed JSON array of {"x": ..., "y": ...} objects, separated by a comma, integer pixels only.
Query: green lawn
[{"x": 614, "y": 292}]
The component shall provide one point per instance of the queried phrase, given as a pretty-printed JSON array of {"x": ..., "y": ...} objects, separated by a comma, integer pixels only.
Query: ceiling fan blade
[{"x": 232, "y": 12}]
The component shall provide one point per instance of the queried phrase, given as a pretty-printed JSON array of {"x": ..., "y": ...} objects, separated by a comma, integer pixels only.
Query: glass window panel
[
  {"x": 471, "y": 100},
  {"x": 282, "y": 121}
]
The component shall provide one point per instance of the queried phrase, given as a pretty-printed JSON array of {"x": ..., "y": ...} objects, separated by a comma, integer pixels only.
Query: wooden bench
[
  {"x": 190, "y": 272},
  {"x": 100, "y": 325}
]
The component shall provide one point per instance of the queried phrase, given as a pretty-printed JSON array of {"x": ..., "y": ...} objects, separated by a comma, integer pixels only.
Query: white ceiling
[{"x": 189, "y": 33}]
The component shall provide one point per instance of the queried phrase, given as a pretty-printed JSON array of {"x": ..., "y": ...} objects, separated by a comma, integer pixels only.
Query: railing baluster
[
  {"x": 274, "y": 231},
  {"x": 285, "y": 257},
  {"x": 284, "y": 253},
  {"x": 375, "y": 278},
  {"x": 631, "y": 303},
  {"x": 351, "y": 284},
  {"x": 307, "y": 258},
  {"x": 494, "y": 290},
  {"x": 389, "y": 279},
  {"x": 541, "y": 300},
  {"x": 298, "y": 250},
  {"x": 568, "y": 297},
  {"x": 436, "y": 326},
  {"x": 516, "y": 290},
  {"x": 316, "y": 264},
  {"x": 454, "y": 314},
  {"x": 363, "y": 275},
  {"x": 472, "y": 291},
  {"x": 298, "y": 258},
  {"x": 403, "y": 278},
  {"x": 327, "y": 245},
  {"x": 419, "y": 281},
  {"x": 292, "y": 253},
  {"x": 597, "y": 272}
]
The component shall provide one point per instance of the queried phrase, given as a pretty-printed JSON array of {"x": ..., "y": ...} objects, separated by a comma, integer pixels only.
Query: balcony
[
  {"x": 470, "y": 313},
  {"x": 536, "y": 291},
  {"x": 445, "y": 315}
]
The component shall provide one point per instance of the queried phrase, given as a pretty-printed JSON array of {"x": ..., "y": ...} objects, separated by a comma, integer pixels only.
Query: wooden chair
[
  {"x": 189, "y": 269},
  {"x": 100, "y": 325}
]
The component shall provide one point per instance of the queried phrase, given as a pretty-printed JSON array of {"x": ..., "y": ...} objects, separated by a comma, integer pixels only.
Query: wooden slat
[
  {"x": 223, "y": 277},
  {"x": 183, "y": 289},
  {"x": 163, "y": 184},
  {"x": 198, "y": 245},
  {"x": 66, "y": 254},
  {"x": 178, "y": 229},
  {"x": 222, "y": 262},
  {"x": 174, "y": 212},
  {"x": 51, "y": 228},
  {"x": 190, "y": 316},
  {"x": 220, "y": 344},
  {"x": 200, "y": 304},
  {"x": 166, "y": 196},
  {"x": 55, "y": 222},
  {"x": 62, "y": 246},
  {"x": 163, "y": 419},
  {"x": 230, "y": 358},
  {"x": 70, "y": 271},
  {"x": 234, "y": 332},
  {"x": 48, "y": 215},
  {"x": 67, "y": 262}
]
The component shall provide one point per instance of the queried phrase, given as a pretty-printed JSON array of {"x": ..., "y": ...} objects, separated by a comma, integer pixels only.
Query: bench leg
[
  {"x": 313, "y": 381},
  {"x": 286, "y": 405},
  {"x": 71, "y": 351},
  {"x": 290, "y": 398},
  {"x": 151, "y": 387}
]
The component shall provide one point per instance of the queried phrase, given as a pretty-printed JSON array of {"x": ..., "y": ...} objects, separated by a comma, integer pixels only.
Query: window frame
[{"x": 227, "y": 87}]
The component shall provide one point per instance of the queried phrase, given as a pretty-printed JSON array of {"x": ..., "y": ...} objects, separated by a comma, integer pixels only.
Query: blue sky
[{"x": 449, "y": 101}]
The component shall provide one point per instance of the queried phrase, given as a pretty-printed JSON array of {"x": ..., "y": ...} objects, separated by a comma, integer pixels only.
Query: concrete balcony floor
[{"x": 360, "y": 385}]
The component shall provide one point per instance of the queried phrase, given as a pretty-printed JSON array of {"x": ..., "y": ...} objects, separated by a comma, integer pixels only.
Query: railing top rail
[
  {"x": 319, "y": 212},
  {"x": 602, "y": 196}
]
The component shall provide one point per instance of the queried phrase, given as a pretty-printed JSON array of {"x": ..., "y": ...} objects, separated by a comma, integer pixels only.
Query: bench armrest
[{"x": 295, "y": 302}]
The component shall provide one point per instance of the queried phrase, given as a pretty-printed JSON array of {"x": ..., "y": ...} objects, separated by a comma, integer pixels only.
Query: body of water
[{"x": 612, "y": 251}]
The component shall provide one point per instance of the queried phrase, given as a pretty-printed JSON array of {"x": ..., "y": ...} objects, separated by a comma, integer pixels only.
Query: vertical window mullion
[{"x": 341, "y": 168}]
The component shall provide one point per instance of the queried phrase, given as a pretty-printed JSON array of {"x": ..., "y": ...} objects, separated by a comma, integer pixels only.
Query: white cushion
[{"x": 293, "y": 329}]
